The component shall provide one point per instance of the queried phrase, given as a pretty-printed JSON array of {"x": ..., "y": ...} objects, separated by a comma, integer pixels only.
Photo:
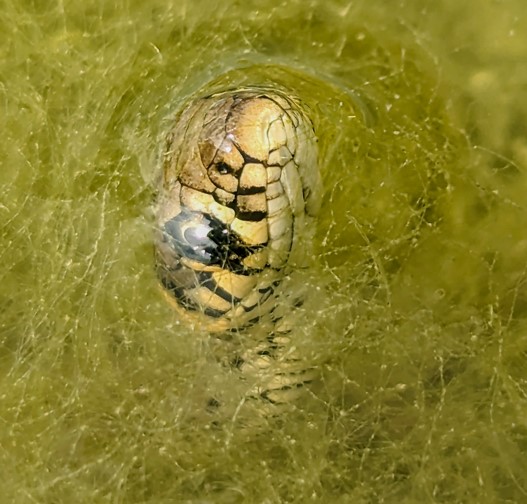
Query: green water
[{"x": 419, "y": 321}]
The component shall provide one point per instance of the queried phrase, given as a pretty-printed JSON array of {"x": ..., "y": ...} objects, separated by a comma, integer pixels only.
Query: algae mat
[{"x": 419, "y": 325}]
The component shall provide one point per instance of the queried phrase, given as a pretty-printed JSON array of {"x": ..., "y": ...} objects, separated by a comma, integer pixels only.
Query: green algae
[{"x": 418, "y": 326}]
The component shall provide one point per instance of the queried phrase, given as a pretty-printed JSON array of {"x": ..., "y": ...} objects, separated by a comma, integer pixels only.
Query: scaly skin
[{"x": 239, "y": 191}]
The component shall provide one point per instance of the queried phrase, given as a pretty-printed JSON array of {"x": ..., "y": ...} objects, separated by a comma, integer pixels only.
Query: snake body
[{"x": 239, "y": 189}]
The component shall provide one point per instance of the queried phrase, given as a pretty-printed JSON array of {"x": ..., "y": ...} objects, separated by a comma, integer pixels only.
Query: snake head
[{"x": 240, "y": 185}]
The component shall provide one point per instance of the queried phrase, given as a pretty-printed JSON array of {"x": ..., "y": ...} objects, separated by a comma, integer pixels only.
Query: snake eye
[{"x": 223, "y": 168}]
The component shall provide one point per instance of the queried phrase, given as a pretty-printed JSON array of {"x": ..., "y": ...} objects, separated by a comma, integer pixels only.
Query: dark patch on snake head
[
  {"x": 187, "y": 235},
  {"x": 203, "y": 238}
]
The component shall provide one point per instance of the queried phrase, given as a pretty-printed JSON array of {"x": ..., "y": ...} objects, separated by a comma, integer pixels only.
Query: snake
[{"x": 238, "y": 193}]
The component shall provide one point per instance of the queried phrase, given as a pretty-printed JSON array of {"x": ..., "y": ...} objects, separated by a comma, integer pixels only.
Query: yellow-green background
[{"x": 418, "y": 324}]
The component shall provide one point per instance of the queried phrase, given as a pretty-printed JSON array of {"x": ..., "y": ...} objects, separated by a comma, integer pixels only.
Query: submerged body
[{"x": 240, "y": 188}]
